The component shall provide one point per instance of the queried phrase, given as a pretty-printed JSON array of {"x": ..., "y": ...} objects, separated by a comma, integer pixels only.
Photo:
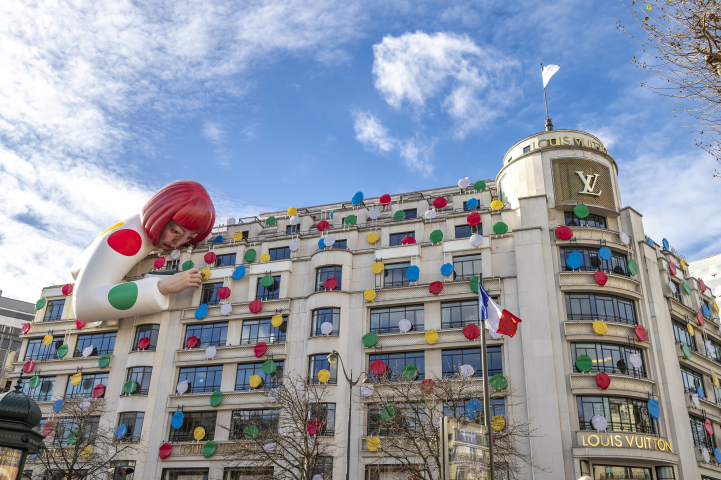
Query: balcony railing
[
  {"x": 419, "y": 327},
  {"x": 138, "y": 391},
  {"x": 631, "y": 372},
  {"x": 188, "y": 437},
  {"x": 622, "y": 427}
]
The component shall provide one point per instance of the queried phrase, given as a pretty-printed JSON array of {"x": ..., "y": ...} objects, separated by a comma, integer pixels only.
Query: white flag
[{"x": 548, "y": 72}]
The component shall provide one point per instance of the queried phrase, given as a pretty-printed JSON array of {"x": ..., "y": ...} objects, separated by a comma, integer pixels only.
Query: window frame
[
  {"x": 77, "y": 392},
  {"x": 82, "y": 340},
  {"x": 318, "y": 362},
  {"x": 391, "y": 269},
  {"x": 470, "y": 305},
  {"x": 616, "y": 265},
  {"x": 275, "y": 334},
  {"x": 395, "y": 362},
  {"x": 494, "y": 356},
  {"x": 327, "y": 428},
  {"x": 190, "y": 330},
  {"x": 571, "y": 220},
  {"x": 601, "y": 352},
  {"x": 269, "y": 381},
  {"x": 593, "y": 305},
  {"x": 394, "y": 239},
  {"x": 322, "y": 274},
  {"x": 45, "y": 352},
  {"x": 417, "y": 324},
  {"x": 602, "y": 405},
  {"x": 51, "y": 315},
  {"x": 333, "y": 313},
  {"x": 143, "y": 384},
  {"x": 220, "y": 260},
  {"x": 467, "y": 276},
  {"x": 274, "y": 253},
  {"x": 266, "y": 419},
  {"x": 208, "y": 420},
  {"x": 151, "y": 333},
  {"x": 263, "y": 293},
  {"x": 130, "y": 436},
  {"x": 36, "y": 393},
  {"x": 466, "y": 231},
  {"x": 208, "y": 297},
  {"x": 217, "y": 371}
]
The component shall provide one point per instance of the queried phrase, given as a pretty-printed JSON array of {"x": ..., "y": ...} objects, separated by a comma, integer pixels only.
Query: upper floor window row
[
  {"x": 591, "y": 306},
  {"x": 466, "y": 231},
  {"x": 54, "y": 310},
  {"x": 591, "y": 262},
  {"x": 590, "y": 221}
]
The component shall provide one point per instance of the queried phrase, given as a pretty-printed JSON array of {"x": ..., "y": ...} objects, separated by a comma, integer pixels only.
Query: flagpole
[
  {"x": 486, "y": 389},
  {"x": 549, "y": 125}
]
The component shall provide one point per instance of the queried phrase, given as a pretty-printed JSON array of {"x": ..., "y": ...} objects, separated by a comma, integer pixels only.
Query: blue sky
[{"x": 272, "y": 104}]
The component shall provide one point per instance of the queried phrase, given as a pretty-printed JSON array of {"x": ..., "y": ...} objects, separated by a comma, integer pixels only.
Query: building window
[
  {"x": 209, "y": 294},
  {"x": 292, "y": 229},
  {"x": 324, "y": 273},
  {"x": 247, "y": 370},
  {"x": 609, "y": 358},
  {"x": 37, "y": 350},
  {"x": 227, "y": 260},
  {"x": 607, "y": 471},
  {"x": 316, "y": 363},
  {"x": 325, "y": 315},
  {"x": 208, "y": 334},
  {"x": 590, "y": 221},
  {"x": 141, "y": 376},
  {"x": 282, "y": 253},
  {"x": 452, "y": 359},
  {"x": 591, "y": 306},
  {"x": 592, "y": 262},
  {"x": 681, "y": 335},
  {"x": 325, "y": 412},
  {"x": 692, "y": 381},
  {"x": 394, "y": 275},
  {"x": 527, "y": 149},
  {"x": 698, "y": 432},
  {"x": 396, "y": 238},
  {"x": 378, "y": 427},
  {"x": 324, "y": 468},
  {"x": 149, "y": 331},
  {"x": 504, "y": 190},
  {"x": 666, "y": 473},
  {"x": 262, "y": 330},
  {"x": 466, "y": 231},
  {"x": 459, "y": 314},
  {"x": 396, "y": 361},
  {"x": 385, "y": 320},
  {"x": 202, "y": 379},
  {"x": 134, "y": 423},
  {"x": 411, "y": 213},
  {"x": 465, "y": 268},
  {"x": 171, "y": 265},
  {"x": 622, "y": 414},
  {"x": 84, "y": 389},
  {"x": 458, "y": 410},
  {"x": 124, "y": 463},
  {"x": 466, "y": 209},
  {"x": 265, "y": 420},
  {"x": 714, "y": 352},
  {"x": 54, "y": 310},
  {"x": 41, "y": 393},
  {"x": 87, "y": 427},
  {"x": 102, "y": 343},
  {"x": 185, "y": 473},
  {"x": 269, "y": 293},
  {"x": 585, "y": 468},
  {"x": 677, "y": 293},
  {"x": 191, "y": 421},
  {"x": 340, "y": 244}
]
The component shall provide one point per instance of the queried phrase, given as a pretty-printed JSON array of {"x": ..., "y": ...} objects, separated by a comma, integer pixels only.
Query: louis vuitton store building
[{"x": 616, "y": 359}]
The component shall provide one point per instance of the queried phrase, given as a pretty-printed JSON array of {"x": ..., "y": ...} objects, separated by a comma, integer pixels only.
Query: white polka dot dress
[{"x": 100, "y": 293}]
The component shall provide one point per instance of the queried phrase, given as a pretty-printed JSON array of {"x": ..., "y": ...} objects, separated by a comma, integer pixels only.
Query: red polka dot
[
  {"x": 165, "y": 451},
  {"x": 143, "y": 343},
  {"x": 672, "y": 268},
  {"x": 67, "y": 289},
  {"x": 331, "y": 283},
  {"x": 699, "y": 317},
  {"x": 223, "y": 292},
  {"x": 640, "y": 333},
  {"x": 159, "y": 262},
  {"x": 126, "y": 242},
  {"x": 385, "y": 199},
  {"x": 564, "y": 233},
  {"x": 255, "y": 306},
  {"x": 260, "y": 349},
  {"x": 79, "y": 324},
  {"x": 474, "y": 219},
  {"x": 439, "y": 202},
  {"x": 408, "y": 240},
  {"x": 209, "y": 257},
  {"x": 435, "y": 288},
  {"x": 603, "y": 381},
  {"x": 600, "y": 278},
  {"x": 25, "y": 328}
]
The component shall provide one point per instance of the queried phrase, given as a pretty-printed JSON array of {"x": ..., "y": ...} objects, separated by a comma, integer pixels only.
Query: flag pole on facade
[
  {"x": 547, "y": 73},
  {"x": 483, "y": 315}
]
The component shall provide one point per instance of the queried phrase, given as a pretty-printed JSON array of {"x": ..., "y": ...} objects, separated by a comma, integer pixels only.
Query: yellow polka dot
[
  {"x": 369, "y": 294},
  {"x": 496, "y": 204},
  {"x": 372, "y": 237},
  {"x": 600, "y": 327},
  {"x": 119, "y": 224},
  {"x": 292, "y": 211},
  {"x": 75, "y": 379},
  {"x": 431, "y": 337},
  {"x": 690, "y": 329},
  {"x": 323, "y": 376},
  {"x": 255, "y": 381},
  {"x": 238, "y": 237},
  {"x": 276, "y": 320},
  {"x": 205, "y": 273},
  {"x": 373, "y": 444},
  {"x": 378, "y": 267},
  {"x": 265, "y": 257}
]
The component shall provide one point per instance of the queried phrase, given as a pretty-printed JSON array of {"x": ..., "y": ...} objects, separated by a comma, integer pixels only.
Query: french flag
[{"x": 499, "y": 321}]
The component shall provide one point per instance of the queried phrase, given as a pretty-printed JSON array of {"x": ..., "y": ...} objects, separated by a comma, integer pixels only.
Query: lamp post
[
  {"x": 19, "y": 414},
  {"x": 333, "y": 359}
]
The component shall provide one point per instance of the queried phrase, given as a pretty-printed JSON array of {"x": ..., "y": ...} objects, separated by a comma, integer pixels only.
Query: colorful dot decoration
[
  {"x": 471, "y": 331},
  {"x": 209, "y": 448},
  {"x": 372, "y": 237},
  {"x": 265, "y": 258},
  {"x": 25, "y": 328},
  {"x": 126, "y": 242},
  {"x": 357, "y": 198},
  {"x": 210, "y": 257},
  {"x": 68, "y": 288},
  {"x": 216, "y": 398},
  {"x": 117, "y": 225},
  {"x": 473, "y": 219},
  {"x": 498, "y": 382},
  {"x": 40, "y": 304},
  {"x": 399, "y": 215},
  {"x": 408, "y": 240},
  {"x": 370, "y": 340},
  {"x": 439, "y": 202},
  {"x": 350, "y": 220},
  {"x": 385, "y": 199},
  {"x": 496, "y": 205},
  {"x": 188, "y": 265},
  {"x": 377, "y": 367},
  {"x": 446, "y": 269},
  {"x": 473, "y": 284},
  {"x": 672, "y": 268},
  {"x": 202, "y": 311},
  {"x": 686, "y": 352},
  {"x": 472, "y": 203},
  {"x": 409, "y": 372},
  {"x": 413, "y": 273},
  {"x": 599, "y": 327},
  {"x": 79, "y": 325},
  {"x": 499, "y": 228},
  {"x": 255, "y": 306},
  {"x": 436, "y": 236},
  {"x": 428, "y": 385},
  {"x": 564, "y": 233},
  {"x": 435, "y": 288},
  {"x": 260, "y": 349},
  {"x": 603, "y": 381},
  {"x": 331, "y": 284},
  {"x": 191, "y": 342},
  {"x": 581, "y": 210},
  {"x": 270, "y": 221},
  {"x": 479, "y": 186},
  {"x": 205, "y": 273},
  {"x": 584, "y": 363},
  {"x": 369, "y": 295},
  {"x": 431, "y": 337},
  {"x": 600, "y": 278},
  {"x": 378, "y": 267},
  {"x": 123, "y": 296},
  {"x": 322, "y": 225},
  {"x": 641, "y": 333},
  {"x": 632, "y": 267}
]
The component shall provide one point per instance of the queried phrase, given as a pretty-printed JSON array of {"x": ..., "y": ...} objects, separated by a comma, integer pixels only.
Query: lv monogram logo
[{"x": 589, "y": 183}]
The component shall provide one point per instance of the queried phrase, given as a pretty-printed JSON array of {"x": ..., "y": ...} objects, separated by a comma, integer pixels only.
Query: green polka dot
[
  {"x": 270, "y": 221},
  {"x": 399, "y": 215},
  {"x": 498, "y": 382},
  {"x": 40, "y": 304},
  {"x": 130, "y": 386},
  {"x": 350, "y": 220},
  {"x": 474, "y": 284},
  {"x": 686, "y": 352},
  {"x": 216, "y": 398},
  {"x": 250, "y": 255},
  {"x": 686, "y": 288},
  {"x": 632, "y": 267},
  {"x": 581, "y": 210},
  {"x": 267, "y": 281},
  {"x": 584, "y": 363},
  {"x": 123, "y": 296},
  {"x": 188, "y": 265},
  {"x": 35, "y": 382},
  {"x": 436, "y": 236},
  {"x": 499, "y": 228},
  {"x": 62, "y": 350},
  {"x": 104, "y": 361},
  {"x": 209, "y": 449},
  {"x": 479, "y": 186}
]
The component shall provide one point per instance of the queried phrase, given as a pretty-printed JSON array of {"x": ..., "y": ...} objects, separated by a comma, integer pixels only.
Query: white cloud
[
  {"x": 213, "y": 132},
  {"x": 416, "y": 153},
  {"x": 472, "y": 84},
  {"x": 73, "y": 75},
  {"x": 371, "y": 133}
]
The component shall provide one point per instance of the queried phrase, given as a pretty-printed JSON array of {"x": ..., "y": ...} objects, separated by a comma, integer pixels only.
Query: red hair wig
[{"x": 186, "y": 202}]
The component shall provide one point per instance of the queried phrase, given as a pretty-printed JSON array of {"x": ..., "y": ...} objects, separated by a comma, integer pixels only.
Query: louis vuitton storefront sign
[{"x": 623, "y": 440}]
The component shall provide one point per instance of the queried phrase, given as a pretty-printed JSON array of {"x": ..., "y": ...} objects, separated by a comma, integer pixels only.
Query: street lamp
[
  {"x": 333, "y": 359},
  {"x": 19, "y": 414}
]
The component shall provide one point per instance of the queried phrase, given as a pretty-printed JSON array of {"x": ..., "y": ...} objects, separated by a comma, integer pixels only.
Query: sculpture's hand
[{"x": 180, "y": 281}]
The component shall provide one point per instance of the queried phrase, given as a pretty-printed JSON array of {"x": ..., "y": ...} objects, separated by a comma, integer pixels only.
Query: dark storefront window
[
  {"x": 191, "y": 421},
  {"x": 592, "y": 262},
  {"x": 396, "y": 361},
  {"x": 452, "y": 359},
  {"x": 622, "y": 414},
  {"x": 609, "y": 358},
  {"x": 385, "y": 320},
  {"x": 591, "y": 306},
  {"x": 459, "y": 314}
]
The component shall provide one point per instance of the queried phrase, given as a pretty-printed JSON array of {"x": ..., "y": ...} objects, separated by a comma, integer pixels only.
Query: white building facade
[{"x": 568, "y": 309}]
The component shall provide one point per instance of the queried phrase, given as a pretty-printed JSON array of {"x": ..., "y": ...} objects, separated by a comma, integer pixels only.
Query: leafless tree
[
  {"x": 684, "y": 38},
  {"x": 295, "y": 445},
  {"x": 79, "y": 446},
  {"x": 405, "y": 417}
]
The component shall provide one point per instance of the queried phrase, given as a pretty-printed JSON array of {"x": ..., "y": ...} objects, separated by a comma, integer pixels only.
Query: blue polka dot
[
  {"x": 604, "y": 253},
  {"x": 202, "y": 311},
  {"x": 239, "y": 272},
  {"x": 472, "y": 203},
  {"x": 574, "y": 260},
  {"x": 447, "y": 269},
  {"x": 665, "y": 244},
  {"x": 413, "y": 273},
  {"x": 321, "y": 244}
]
